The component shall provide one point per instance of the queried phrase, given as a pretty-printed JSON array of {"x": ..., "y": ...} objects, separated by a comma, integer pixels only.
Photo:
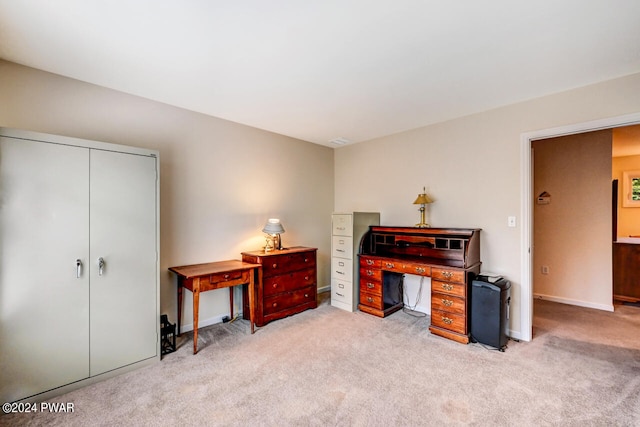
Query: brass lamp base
[{"x": 422, "y": 223}]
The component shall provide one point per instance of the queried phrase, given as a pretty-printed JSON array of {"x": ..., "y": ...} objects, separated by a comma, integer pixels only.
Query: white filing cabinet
[
  {"x": 347, "y": 231},
  {"x": 79, "y": 280}
]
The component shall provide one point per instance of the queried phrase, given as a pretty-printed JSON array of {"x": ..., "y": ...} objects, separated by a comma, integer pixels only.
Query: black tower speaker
[{"x": 490, "y": 298}]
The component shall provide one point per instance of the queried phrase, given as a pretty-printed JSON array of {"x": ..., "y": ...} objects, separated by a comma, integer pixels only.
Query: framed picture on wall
[{"x": 631, "y": 189}]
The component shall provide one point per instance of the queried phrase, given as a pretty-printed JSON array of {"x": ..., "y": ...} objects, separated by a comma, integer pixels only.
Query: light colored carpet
[{"x": 327, "y": 367}]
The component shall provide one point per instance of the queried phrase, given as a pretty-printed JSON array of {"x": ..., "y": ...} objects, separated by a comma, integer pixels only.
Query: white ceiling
[{"x": 319, "y": 70}]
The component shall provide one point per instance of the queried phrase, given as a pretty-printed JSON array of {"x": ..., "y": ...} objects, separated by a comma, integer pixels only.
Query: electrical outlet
[
  {"x": 511, "y": 221},
  {"x": 545, "y": 269}
]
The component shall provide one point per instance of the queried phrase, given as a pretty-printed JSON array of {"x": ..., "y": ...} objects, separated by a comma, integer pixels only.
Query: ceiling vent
[{"x": 340, "y": 141}]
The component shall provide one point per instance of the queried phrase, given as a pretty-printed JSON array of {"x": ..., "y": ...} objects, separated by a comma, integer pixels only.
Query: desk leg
[
  {"x": 231, "y": 302},
  {"x": 252, "y": 294},
  {"x": 196, "y": 306},
  {"x": 179, "y": 304}
]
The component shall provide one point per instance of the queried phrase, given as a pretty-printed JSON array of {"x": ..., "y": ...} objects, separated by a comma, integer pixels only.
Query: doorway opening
[{"x": 527, "y": 200}]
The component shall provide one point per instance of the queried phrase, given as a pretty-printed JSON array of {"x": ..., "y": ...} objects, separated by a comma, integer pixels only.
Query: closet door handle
[
  {"x": 101, "y": 265},
  {"x": 78, "y": 268}
]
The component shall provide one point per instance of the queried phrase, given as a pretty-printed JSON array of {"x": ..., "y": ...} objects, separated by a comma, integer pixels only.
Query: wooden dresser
[
  {"x": 288, "y": 285},
  {"x": 450, "y": 256}
]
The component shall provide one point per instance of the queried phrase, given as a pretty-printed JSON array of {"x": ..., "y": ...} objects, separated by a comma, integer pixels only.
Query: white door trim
[{"x": 526, "y": 305}]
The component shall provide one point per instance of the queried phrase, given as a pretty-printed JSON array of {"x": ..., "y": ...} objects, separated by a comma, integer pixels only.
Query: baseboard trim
[{"x": 568, "y": 301}]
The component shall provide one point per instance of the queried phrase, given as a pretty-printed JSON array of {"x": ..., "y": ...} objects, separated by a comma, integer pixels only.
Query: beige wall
[
  {"x": 628, "y": 218},
  {"x": 472, "y": 169},
  {"x": 572, "y": 234},
  {"x": 220, "y": 181}
]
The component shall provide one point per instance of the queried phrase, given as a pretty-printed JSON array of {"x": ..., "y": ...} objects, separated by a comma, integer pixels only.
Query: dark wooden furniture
[
  {"x": 450, "y": 256},
  {"x": 215, "y": 275},
  {"x": 626, "y": 270},
  {"x": 288, "y": 285}
]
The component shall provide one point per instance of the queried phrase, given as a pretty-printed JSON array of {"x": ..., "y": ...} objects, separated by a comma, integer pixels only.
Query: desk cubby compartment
[{"x": 453, "y": 244}]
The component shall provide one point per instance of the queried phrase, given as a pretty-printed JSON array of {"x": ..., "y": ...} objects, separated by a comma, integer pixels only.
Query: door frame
[{"x": 526, "y": 207}]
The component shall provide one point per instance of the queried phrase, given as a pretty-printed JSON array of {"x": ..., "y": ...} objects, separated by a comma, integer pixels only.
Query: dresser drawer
[
  {"x": 405, "y": 267},
  {"x": 288, "y": 282},
  {"x": 341, "y": 291},
  {"x": 451, "y": 288},
  {"x": 287, "y": 300},
  {"x": 370, "y": 273},
  {"x": 371, "y": 300},
  {"x": 448, "y": 274},
  {"x": 453, "y": 322},
  {"x": 369, "y": 262},
  {"x": 342, "y": 246},
  {"x": 371, "y": 286},
  {"x": 342, "y": 224},
  {"x": 342, "y": 269},
  {"x": 448, "y": 303},
  {"x": 278, "y": 264}
]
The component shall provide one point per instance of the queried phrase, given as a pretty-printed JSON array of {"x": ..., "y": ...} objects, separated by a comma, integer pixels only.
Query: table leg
[
  {"x": 179, "y": 303},
  {"x": 230, "y": 302},
  {"x": 196, "y": 306},
  {"x": 252, "y": 295}
]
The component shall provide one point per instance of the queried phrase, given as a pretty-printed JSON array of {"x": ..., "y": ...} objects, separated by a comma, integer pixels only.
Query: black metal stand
[{"x": 168, "y": 335}]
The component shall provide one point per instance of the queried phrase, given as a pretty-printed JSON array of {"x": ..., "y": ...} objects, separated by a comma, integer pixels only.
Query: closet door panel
[
  {"x": 124, "y": 319},
  {"x": 44, "y": 229}
]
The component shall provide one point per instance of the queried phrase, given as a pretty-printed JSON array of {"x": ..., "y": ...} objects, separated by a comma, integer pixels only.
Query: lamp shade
[
  {"x": 423, "y": 199},
  {"x": 273, "y": 226}
]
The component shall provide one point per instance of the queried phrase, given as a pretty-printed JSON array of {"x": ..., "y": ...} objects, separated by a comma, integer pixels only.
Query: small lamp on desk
[
  {"x": 273, "y": 228},
  {"x": 422, "y": 200}
]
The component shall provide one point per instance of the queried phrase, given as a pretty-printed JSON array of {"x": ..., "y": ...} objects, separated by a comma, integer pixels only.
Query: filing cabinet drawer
[
  {"x": 342, "y": 291},
  {"x": 448, "y": 303},
  {"x": 342, "y": 225},
  {"x": 342, "y": 247},
  {"x": 342, "y": 269}
]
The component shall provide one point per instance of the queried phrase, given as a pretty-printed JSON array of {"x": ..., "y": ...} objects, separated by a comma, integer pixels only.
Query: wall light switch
[{"x": 511, "y": 221}]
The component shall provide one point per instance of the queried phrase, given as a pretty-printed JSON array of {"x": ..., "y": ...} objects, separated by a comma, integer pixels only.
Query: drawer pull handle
[
  {"x": 369, "y": 299},
  {"x": 369, "y": 273},
  {"x": 369, "y": 262},
  {"x": 390, "y": 265},
  {"x": 447, "y": 274},
  {"x": 340, "y": 272},
  {"x": 275, "y": 265},
  {"x": 447, "y": 302},
  {"x": 275, "y": 285},
  {"x": 306, "y": 295},
  {"x": 340, "y": 228},
  {"x": 447, "y": 287},
  {"x": 275, "y": 304},
  {"x": 420, "y": 270},
  {"x": 339, "y": 294},
  {"x": 370, "y": 285},
  {"x": 340, "y": 285},
  {"x": 306, "y": 277},
  {"x": 306, "y": 260},
  {"x": 340, "y": 250},
  {"x": 447, "y": 320},
  {"x": 341, "y": 264},
  {"x": 226, "y": 276}
]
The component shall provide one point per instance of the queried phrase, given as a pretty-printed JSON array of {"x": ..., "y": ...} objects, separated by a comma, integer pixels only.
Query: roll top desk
[{"x": 449, "y": 256}]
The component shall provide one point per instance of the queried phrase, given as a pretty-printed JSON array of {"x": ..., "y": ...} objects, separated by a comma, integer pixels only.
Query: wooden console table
[
  {"x": 215, "y": 275},
  {"x": 450, "y": 256}
]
